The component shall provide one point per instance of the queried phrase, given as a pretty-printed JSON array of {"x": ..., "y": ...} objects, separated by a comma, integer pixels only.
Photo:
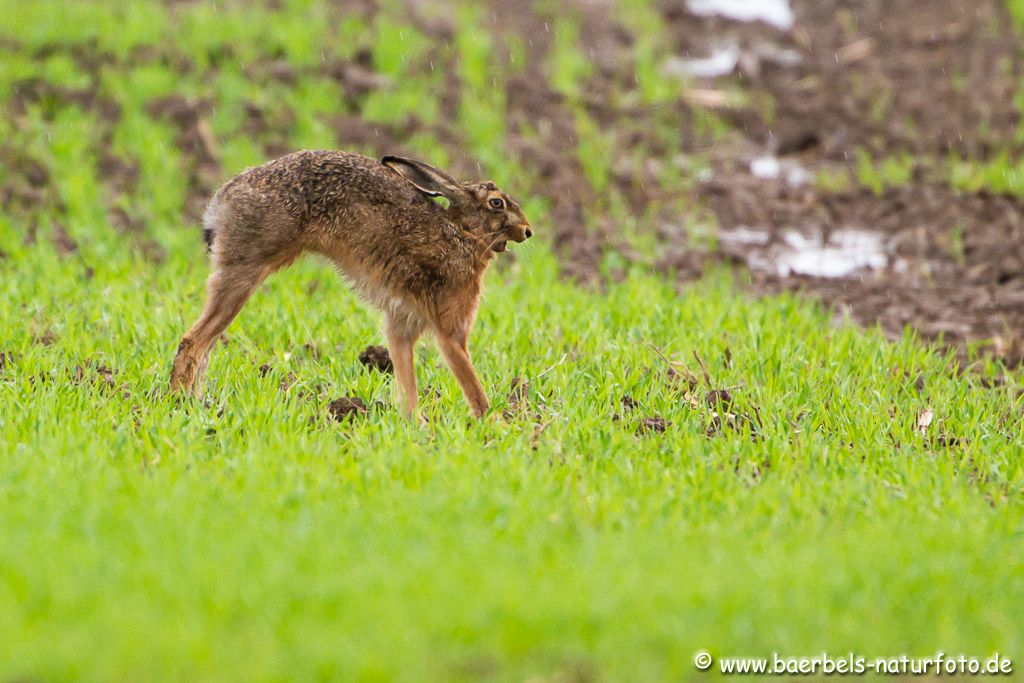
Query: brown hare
[{"x": 420, "y": 262}]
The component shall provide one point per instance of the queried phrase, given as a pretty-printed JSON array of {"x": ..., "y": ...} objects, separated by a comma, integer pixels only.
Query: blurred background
[{"x": 866, "y": 152}]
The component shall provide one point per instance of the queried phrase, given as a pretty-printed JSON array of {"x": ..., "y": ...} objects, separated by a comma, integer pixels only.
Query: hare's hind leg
[
  {"x": 227, "y": 291},
  {"x": 228, "y": 288},
  {"x": 248, "y": 242}
]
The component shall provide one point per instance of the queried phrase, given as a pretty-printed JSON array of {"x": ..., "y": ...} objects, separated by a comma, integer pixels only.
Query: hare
[{"x": 421, "y": 263}]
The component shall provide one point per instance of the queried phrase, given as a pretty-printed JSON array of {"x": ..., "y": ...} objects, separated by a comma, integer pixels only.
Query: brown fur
[{"x": 419, "y": 262}]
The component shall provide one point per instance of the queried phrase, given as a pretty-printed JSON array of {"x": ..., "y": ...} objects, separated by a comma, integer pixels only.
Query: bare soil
[
  {"x": 930, "y": 80},
  {"x": 924, "y": 80}
]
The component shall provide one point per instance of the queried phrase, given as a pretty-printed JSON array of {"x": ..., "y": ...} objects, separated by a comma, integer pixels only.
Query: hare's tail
[{"x": 211, "y": 221}]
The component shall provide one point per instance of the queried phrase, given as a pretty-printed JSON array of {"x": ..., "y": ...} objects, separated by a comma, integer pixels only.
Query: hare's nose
[{"x": 529, "y": 233}]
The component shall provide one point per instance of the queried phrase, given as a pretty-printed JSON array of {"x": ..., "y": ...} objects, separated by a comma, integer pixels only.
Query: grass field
[{"x": 604, "y": 523}]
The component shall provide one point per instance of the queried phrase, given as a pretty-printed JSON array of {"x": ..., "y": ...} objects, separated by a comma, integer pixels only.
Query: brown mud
[
  {"x": 377, "y": 358},
  {"x": 928, "y": 81},
  {"x": 346, "y": 408}
]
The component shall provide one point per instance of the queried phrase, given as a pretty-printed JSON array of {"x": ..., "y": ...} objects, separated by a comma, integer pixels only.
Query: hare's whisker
[{"x": 480, "y": 240}]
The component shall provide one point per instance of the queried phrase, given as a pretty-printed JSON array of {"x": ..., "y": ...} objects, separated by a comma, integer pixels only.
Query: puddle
[
  {"x": 721, "y": 62},
  {"x": 771, "y": 167},
  {"x": 776, "y": 13},
  {"x": 744, "y": 236},
  {"x": 766, "y": 167},
  {"x": 846, "y": 252},
  {"x": 727, "y": 57},
  {"x": 784, "y": 57}
]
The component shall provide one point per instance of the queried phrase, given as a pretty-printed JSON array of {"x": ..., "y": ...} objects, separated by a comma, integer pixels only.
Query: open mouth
[{"x": 500, "y": 246}]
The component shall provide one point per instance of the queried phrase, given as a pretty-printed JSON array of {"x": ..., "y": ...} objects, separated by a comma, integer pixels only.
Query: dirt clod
[
  {"x": 377, "y": 358},
  {"x": 346, "y": 407},
  {"x": 654, "y": 424},
  {"x": 312, "y": 350},
  {"x": 64, "y": 243},
  {"x": 45, "y": 338},
  {"x": 518, "y": 389},
  {"x": 719, "y": 398},
  {"x": 287, "y": 381}
]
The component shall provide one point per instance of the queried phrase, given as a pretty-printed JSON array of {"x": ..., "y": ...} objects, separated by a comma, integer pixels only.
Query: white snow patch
[
  {"x": 771, "y": 167},
  {"x": 777, "y": 13},
  {"x": 721, "y": 62},
  {"x": 766, "y": 167},
  {"x": 744, "y": 235},
  {"x": 846, "y": 252},
  {"x": 797, "y": 175}
]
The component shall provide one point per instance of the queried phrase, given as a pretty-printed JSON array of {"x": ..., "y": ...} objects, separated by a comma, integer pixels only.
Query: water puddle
[
  {"x": 771, "y": 167},
  {"x": 744, "y": 237},
  {"x": 844, "y": 253},
  {"x": 776, "y": 13},
  {"x": 720, "y": 62}
]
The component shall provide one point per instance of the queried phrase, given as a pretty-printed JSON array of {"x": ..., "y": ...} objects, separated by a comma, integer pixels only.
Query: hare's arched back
[{"x": 419, "y": 262}]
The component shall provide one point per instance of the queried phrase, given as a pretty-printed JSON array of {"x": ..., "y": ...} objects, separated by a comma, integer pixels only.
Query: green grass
[
  {"x": 888, "y": 172},
  {"x": 250, "y": 537},
  {"x": 1017, "y": 12},
  {"x": 1000, "y": 174}
]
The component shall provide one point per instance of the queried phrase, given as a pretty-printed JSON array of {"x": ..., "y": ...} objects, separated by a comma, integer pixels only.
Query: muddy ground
[
  {"x": 849, "y": 82},
  {"x": 925, "y": 81}
]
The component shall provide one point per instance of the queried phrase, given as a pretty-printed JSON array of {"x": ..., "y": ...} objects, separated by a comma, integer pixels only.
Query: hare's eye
[{"x": 496, "y": 203}]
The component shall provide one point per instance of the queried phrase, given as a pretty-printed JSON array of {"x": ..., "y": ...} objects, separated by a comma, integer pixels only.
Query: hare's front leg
[
  {"x": 456, "y": 353},
  {"x": 401, "y": 340}
]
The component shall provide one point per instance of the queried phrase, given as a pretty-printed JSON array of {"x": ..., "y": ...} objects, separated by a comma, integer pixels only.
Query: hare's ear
[{"x": 423, "y": 177}]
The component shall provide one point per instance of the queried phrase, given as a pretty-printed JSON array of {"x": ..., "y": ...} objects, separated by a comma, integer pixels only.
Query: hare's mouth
[{"x": 500, "y": 246}]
